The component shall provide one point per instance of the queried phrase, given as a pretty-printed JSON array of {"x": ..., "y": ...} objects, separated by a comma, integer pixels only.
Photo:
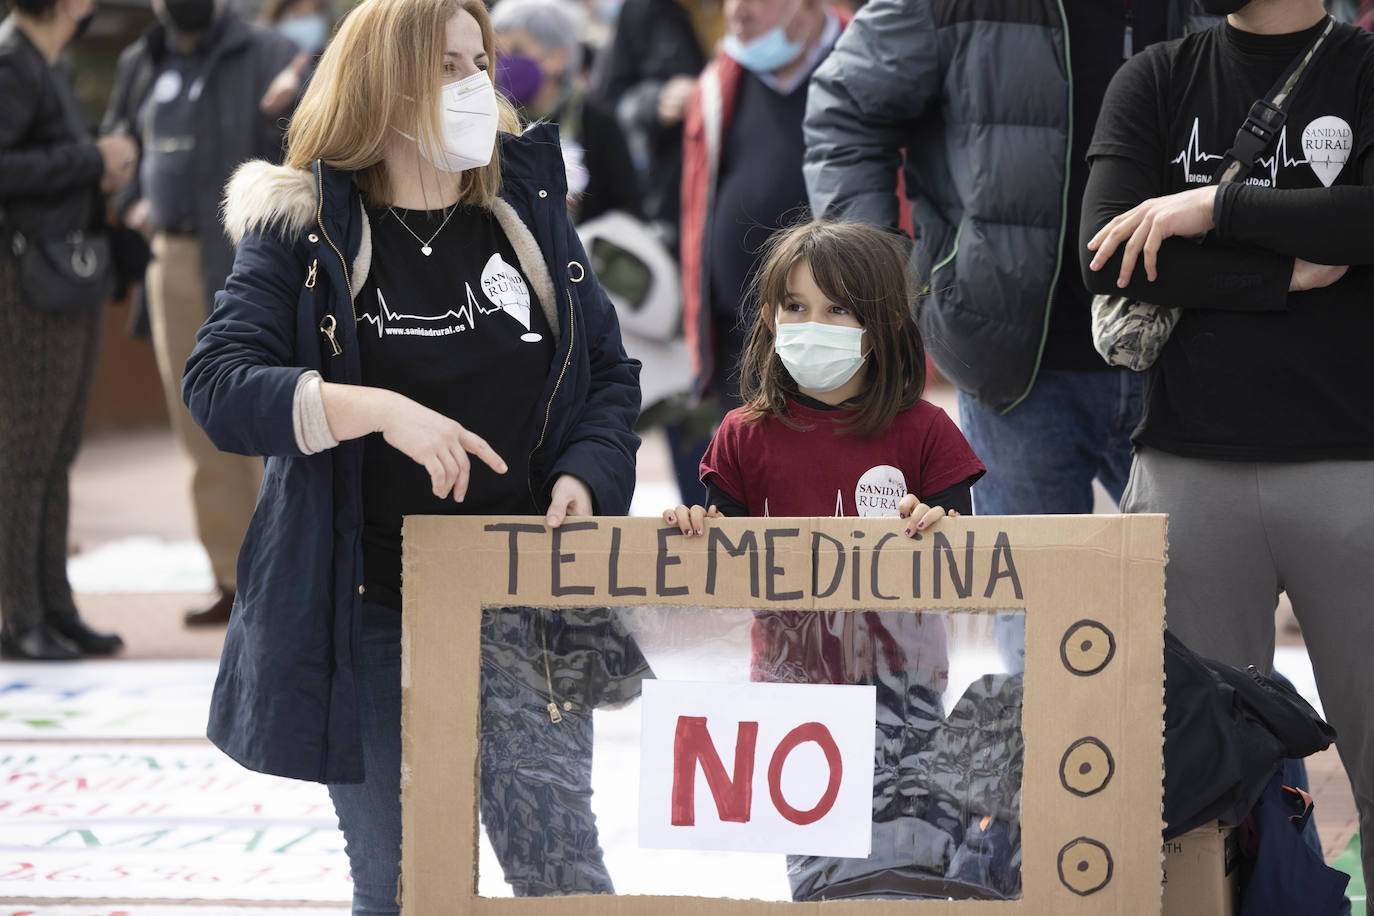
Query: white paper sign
[{"x": 753, "y": 767}]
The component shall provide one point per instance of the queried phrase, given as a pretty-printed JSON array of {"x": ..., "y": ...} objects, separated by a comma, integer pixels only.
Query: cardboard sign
[
  {"x": 757, "y": 767},
  {"x": 1091, "y": 589}
]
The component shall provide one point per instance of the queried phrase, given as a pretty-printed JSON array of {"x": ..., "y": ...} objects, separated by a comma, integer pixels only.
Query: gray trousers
[
  {"x": 1239, "y": 533},
  {"x": 47, "y": 364}
]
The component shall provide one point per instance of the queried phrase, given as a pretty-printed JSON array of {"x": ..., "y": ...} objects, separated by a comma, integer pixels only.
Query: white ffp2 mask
[
  {"x": 819, "y": 357},
  {"x": 467, "y": 125}
]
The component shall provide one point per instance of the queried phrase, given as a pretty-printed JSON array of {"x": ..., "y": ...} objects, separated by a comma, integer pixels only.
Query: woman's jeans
[
  {"x": 370, "y": 812},
  {"x": 543, "y": 832}
]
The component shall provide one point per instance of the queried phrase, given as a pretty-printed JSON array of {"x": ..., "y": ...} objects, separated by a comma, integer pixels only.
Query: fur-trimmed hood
[{"x": 263, "y": 198}]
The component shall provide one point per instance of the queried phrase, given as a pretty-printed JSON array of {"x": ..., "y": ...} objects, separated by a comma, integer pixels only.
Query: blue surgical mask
[
  {"x": 769, "y": 52},
  {"x": 309, "y": 33}
]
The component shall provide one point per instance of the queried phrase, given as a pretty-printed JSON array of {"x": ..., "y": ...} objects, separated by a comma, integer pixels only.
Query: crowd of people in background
[{"x": 702, "y": 128}]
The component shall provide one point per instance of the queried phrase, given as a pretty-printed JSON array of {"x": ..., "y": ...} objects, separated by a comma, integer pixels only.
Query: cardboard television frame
[{"x": 1091, "y": 587}]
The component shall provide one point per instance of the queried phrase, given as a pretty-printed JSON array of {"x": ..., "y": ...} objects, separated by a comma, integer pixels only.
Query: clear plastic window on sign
[{"x": 752, "y": 755}]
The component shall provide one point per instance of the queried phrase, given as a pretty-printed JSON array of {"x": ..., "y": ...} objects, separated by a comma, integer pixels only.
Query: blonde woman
[{"x": 411, "y": 327}]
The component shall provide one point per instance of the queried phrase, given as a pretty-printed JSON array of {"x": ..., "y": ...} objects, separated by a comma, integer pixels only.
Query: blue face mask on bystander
[
  {"x": 771, "y": 51},
  {"x": 308, "y": 32}
]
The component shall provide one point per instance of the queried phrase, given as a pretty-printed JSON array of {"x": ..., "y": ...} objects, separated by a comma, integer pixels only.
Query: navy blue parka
[{"x": 286, "y": 701}]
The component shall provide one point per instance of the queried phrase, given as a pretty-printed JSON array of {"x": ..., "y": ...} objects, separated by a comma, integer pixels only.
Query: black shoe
[
  {"x": 88, "y": 641},
  {"x": 38, "y": 643},
  {"x": 216, "y": 613}
]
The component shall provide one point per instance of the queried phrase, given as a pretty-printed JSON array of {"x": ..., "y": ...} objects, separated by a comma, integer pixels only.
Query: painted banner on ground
[
  {"x": 143, "y": 909},
  {"x": 155, "y": 822},
  {"x": 105, "y": 699}
]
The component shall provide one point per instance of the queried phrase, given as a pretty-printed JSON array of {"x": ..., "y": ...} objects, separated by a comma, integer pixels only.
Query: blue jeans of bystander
[{"x": 1042, "y": 456}]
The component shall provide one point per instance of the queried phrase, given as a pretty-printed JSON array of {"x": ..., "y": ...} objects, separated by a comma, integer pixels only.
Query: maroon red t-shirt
[{"x": 817, "y": 472}]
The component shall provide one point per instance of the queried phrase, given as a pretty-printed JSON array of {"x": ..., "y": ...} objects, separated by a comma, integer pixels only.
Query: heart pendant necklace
[{"x": 425, "y": 248}]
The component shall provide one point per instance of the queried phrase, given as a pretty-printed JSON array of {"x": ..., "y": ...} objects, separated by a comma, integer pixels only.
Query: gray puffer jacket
[{"x": 978, "y": 94}]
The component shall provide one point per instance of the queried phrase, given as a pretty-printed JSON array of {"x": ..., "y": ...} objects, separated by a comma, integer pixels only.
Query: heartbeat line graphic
[
  {"x": 385, "y": 315},
  {"x": 1193, "y": 155}
]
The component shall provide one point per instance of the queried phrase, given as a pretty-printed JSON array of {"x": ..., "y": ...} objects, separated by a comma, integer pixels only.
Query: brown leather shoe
[{"x": 216, "y": 613}]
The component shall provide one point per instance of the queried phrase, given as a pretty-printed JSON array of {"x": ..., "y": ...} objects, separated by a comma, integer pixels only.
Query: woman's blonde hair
[{"x": 383, "y": 71}]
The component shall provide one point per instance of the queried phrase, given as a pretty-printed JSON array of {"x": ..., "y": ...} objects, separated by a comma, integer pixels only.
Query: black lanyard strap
[{"x": 1267, "y": 116}]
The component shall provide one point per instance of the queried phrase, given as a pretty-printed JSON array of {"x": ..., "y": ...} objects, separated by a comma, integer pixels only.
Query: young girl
[
  {"x": 833, "y": 422},
  {"x": 834, "y": 425}
]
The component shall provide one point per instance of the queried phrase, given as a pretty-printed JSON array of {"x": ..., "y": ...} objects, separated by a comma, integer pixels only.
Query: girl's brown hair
[
  {"x": 381, "y": 72},
  {"x": 864, "y": 269}
]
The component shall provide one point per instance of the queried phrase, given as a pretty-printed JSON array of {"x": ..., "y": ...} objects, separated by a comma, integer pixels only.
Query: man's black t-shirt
[
  {"x": 1252, "y": 372},
  {"x": 1097, "y": 49},
  {"x": 761, "y": 187},
  {"x": 460, "y": 332}
]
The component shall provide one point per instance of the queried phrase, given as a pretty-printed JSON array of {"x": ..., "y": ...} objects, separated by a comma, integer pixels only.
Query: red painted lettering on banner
[
  {"x": 811, "y": 731},
  {"x": 692, "y": 744}
]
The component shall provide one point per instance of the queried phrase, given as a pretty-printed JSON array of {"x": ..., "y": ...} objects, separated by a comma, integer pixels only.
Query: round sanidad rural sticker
[{"x": 880, "y": 491}]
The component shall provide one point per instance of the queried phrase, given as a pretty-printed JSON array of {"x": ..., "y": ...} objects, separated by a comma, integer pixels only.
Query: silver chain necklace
[{"x": 425, "y": 248}]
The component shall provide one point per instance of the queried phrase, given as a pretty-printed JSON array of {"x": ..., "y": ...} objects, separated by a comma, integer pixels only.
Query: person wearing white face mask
[
  {"x": 834, "y": 425},
  {"x": 412, "y": 327},
  {"x": 742, "y": 169}
]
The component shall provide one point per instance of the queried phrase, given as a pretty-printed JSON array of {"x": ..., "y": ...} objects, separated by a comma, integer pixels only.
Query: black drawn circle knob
[
  {"x": 1087, "y": 648},
  {"x": 1086, "y": 767},
  {"x": 1085, "y": 866}
]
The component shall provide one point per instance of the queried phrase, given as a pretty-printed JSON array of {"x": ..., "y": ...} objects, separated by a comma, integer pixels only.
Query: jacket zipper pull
[
  {"x": 310, "y": 277},
  {"x": 554, "y": 715},
  {"x": 327, "y": 328}
]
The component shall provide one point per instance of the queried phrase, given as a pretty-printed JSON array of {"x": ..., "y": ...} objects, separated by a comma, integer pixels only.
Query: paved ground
[{"x": 135, "y": 484}]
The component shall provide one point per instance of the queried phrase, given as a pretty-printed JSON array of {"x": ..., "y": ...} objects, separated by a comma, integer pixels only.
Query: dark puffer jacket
[
  {"x": 286, "y": 701},
  {"x": 979, "y": 96}
]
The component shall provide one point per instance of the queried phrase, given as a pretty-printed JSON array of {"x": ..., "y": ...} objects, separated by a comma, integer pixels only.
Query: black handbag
[{"x": 64, "y": 274}]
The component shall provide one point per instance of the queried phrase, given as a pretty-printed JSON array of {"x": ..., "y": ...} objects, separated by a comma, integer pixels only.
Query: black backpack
[{"x": 1226, "y": 730}]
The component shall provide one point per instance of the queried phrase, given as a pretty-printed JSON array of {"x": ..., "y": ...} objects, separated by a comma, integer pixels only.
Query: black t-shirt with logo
[
  {"x": 1251, "y": 372},
  {"x": 459, "y": 331}
]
